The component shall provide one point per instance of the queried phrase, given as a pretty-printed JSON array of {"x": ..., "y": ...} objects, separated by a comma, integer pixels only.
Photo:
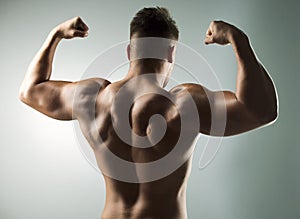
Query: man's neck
[{"x": 155, "y": 72}]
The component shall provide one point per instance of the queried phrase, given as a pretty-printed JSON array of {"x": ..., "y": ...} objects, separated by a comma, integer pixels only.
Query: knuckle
[{"x": 76, "y": 19}]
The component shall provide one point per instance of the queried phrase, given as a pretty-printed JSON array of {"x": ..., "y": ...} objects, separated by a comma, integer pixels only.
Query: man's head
[
  {"x": 153, "y": 22},
  {"x": 153, "y": 37}
]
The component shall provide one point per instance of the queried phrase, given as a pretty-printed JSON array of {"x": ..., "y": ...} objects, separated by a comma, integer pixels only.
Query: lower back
[{"x": 164, "y": 198}]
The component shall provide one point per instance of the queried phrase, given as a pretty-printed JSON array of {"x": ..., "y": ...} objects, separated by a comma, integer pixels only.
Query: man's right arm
[{"x": 254, "y": 103}]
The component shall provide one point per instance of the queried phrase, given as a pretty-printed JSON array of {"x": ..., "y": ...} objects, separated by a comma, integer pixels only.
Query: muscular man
[{"x": 105, "y": 114}]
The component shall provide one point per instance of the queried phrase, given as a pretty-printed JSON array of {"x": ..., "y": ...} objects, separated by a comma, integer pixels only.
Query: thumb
[
  {"x": 79, "y": 33},
  {"x": 208, "y": 40}
]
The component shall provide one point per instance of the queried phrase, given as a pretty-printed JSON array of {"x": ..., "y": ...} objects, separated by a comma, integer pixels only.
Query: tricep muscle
[
  {"x": 220, "y": 112},
  {"x": 56, "y": 98}
]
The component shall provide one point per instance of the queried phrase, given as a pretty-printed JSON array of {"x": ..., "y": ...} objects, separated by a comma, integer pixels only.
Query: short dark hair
[{"x": 154, "y": 22}]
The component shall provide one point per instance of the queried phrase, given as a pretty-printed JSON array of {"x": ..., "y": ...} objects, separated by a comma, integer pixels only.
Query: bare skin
[{"x": 252, "y": 105}]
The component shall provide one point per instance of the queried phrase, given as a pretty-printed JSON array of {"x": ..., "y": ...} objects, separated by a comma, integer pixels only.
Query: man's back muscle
[{"x": 140, "y": 126}]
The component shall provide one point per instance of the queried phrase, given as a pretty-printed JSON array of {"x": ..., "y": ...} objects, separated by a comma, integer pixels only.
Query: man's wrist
[
  {"x": 235, "y": 35},
  {"x": 56, "y": 33},
  {"x": 53, "y": 38}
]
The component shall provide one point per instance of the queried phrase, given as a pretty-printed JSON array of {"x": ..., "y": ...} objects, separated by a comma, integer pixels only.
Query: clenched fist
[
  {"x": 74, "y": 27},
  {"x": 220, "y": 32}
]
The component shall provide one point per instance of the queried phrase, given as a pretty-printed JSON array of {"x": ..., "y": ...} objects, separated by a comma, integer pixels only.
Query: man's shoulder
[
  {"x": 187, "y": 87},
  {"x": 190, "y": 93},
  {"x": 88, "y": 89},
  {"x": 95, "y": 82},
  {"x": 91, "y": 85}
]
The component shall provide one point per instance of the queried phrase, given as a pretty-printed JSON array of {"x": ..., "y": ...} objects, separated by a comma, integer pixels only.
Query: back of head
[{"x": 153, "y": 22}]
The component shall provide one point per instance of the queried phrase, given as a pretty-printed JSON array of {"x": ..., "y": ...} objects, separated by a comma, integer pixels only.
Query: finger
[
  {"x": 84, "y": 26},
  {"x": 79, "y": 33},
  {"x": 81, "y": 25},
  {"x": 208, "y": 32}
]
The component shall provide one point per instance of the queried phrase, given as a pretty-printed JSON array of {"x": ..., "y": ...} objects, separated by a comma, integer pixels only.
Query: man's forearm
[
  {"x": 255, "y": 88},
  {"x": 40, "y": 67}
]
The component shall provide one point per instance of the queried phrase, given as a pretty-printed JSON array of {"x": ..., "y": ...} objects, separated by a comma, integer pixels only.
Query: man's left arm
[{"x": 52, "y": 98}]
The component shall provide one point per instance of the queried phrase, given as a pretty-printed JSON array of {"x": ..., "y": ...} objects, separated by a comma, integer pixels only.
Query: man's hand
[
  {"x": 74, "y": 27},
  {"x": 220, "y": 32}
]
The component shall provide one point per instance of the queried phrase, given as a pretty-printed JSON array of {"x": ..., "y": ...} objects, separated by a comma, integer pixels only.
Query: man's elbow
[
  {"x": 24, "y": 95},
  {"x": 271, "y": 116}
]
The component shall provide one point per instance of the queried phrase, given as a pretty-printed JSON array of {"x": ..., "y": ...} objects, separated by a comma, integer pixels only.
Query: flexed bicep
[
  {"x": 52, "y": 98},
  {"x": 63, "y": 100},
  {"x": 220, "y": 113}
]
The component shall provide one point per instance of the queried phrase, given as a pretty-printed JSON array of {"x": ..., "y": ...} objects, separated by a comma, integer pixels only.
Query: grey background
[{"x": 43, "y": 173}]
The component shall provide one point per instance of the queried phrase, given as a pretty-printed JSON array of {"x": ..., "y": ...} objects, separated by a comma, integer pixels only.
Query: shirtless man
[{"x": 92, "y": 102}]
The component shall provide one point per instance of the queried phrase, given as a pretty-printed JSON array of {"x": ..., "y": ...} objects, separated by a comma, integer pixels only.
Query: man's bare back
[
  {"x": 156, "y": 123},
  {"x": 163, "y": 198}
]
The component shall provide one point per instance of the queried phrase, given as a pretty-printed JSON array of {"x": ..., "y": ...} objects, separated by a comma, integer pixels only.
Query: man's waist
[{"x": 150, "y": 209}]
